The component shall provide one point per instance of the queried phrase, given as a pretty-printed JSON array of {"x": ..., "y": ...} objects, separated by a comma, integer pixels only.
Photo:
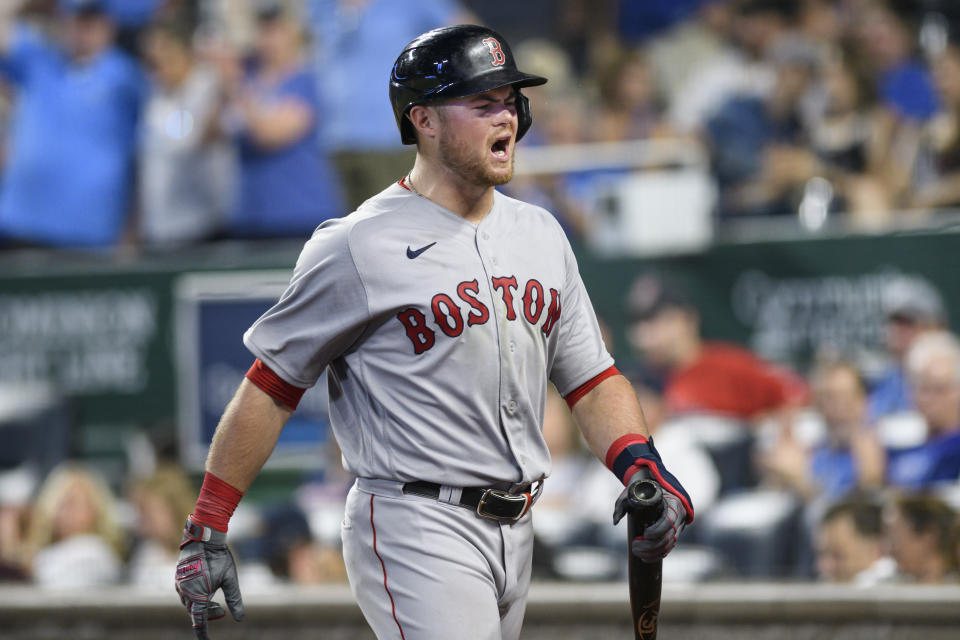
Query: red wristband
[{"x": 216, "y": 503}]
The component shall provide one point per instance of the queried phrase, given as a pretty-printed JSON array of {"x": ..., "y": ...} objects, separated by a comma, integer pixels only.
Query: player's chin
[
  {"x": 499, "y": 172},
  {"x": 501, "y": 177}
]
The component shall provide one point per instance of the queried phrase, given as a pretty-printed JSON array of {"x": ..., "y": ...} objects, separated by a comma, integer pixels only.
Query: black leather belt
[{"x": 502, "y": 506}]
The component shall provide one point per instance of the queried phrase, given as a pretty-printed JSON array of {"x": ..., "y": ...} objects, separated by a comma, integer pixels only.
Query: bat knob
[{"x": 645, "y": 493}]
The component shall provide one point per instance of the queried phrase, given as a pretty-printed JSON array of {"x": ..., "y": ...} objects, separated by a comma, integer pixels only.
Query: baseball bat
[{"x": 645, "y": 499}]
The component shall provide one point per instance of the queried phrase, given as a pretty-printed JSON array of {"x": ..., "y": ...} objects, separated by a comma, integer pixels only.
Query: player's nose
[{"x": 505, "y": 115}]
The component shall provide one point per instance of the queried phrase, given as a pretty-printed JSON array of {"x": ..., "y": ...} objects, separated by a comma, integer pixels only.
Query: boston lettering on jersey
[{"x": 452, "y": 317}]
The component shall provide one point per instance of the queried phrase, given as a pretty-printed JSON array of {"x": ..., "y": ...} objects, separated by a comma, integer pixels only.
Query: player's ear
[{"x": 425, "y": 119}]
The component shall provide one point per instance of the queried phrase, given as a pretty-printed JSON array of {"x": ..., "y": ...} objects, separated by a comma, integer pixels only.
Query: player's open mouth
[{"x": 501, "y": 147}]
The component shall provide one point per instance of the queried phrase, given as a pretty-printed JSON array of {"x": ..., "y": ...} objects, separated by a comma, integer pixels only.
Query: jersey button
[
  {"x": 513, "y": 346},
  {"x": 512, "y": 407},
  {"x": 485, "y": 235}
]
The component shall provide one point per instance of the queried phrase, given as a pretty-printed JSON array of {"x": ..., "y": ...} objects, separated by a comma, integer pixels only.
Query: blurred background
[{"x": 763, "y": 198}]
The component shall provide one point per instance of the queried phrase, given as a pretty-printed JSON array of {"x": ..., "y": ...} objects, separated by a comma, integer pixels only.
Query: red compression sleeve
[
  {"x": 216, "y": 503},
  {"x": 274, "y": 386},
  {"x": 577, "y": 394}
]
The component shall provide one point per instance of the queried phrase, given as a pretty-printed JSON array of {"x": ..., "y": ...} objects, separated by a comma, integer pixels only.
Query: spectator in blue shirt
[
  {"x": 849, "y": 458},
  {"x": 72, "y": 137},
  {"x": 356, "y": 44},
  {"x": 904, "y": 83},
  {"x": 286, "y": 185},
  {"x": 933, "y": 365},
  {"x": 911, "y": 306},
  {"x": 758, "y": 139}
]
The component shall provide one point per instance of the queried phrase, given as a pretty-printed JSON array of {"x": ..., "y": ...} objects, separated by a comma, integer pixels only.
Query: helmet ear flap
[
  {"x": 524, "y": 114},
  {"x": 408, "y": 134}
]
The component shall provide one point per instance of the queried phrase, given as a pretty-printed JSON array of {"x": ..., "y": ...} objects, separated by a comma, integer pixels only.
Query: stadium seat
[{"x": 758, "y": 533}]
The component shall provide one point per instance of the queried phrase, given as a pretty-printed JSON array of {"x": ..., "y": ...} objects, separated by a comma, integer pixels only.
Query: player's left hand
[
  {"x": 659, "y": 537},
  {"x": 638, "y": 461},
  {"x": 657, "y": 540}
]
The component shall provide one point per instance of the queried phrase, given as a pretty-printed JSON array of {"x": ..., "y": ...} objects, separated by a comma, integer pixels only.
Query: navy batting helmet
[{"x": 454, "y": 62}]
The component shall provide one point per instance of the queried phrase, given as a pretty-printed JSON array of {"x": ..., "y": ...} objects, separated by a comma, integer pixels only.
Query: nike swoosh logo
[{"x": 413, "y": 254}]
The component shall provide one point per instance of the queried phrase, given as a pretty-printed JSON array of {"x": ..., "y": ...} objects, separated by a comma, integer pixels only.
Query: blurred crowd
[
  {"x": 833, "y": 475},
  {"x": 182, "y": 122},
  {"x": 824, "y": 475},
  {"x": 72, "y": 528},
  {"x": 155, "y": 124}
]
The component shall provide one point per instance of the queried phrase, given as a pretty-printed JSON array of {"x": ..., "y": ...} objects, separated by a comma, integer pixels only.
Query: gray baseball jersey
[{"x": 439, "y": 334}]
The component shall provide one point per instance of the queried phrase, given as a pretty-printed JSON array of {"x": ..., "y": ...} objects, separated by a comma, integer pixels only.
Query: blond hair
[
  {"x": 42, "y": 531},
  {"x": 172, "y": 486}
]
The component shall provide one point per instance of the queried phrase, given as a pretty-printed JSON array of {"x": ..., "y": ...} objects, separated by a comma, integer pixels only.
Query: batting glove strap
[
  {"x": 194, "y": 531},
  {"x": 633, "y": 452}
]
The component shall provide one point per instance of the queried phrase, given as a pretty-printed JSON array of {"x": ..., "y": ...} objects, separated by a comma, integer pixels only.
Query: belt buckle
[{"x": 507, "y": 497}]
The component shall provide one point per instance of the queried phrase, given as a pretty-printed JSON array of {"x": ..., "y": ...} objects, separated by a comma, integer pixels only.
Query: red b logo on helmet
[{"x": 495, "y": 51}]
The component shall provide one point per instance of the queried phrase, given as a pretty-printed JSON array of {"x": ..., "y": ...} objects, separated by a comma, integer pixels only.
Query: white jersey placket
[{"x": 511, "y": 418}]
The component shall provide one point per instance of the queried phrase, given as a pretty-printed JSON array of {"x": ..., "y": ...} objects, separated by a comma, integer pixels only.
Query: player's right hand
[{"x": 206, "y": 565}]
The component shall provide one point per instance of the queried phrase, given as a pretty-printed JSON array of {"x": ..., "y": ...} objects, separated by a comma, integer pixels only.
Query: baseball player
[{"x": 440, "y": 309}]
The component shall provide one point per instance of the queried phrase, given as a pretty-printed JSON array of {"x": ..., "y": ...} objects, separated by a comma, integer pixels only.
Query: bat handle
[{"x": 645, "y": 500}]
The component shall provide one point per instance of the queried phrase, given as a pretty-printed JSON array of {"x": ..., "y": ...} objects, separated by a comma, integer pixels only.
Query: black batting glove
[{"x": 206, "y": 565}]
